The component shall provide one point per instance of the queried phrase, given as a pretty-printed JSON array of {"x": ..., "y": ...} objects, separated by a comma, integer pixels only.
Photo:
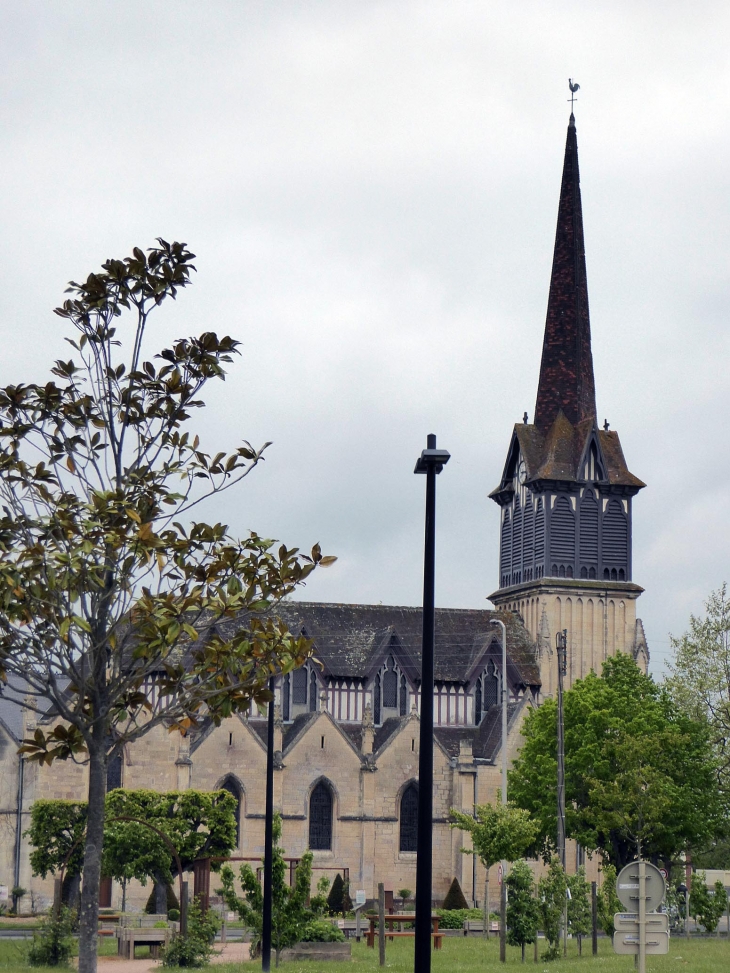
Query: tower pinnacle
[{"x": 566, "y": 370}]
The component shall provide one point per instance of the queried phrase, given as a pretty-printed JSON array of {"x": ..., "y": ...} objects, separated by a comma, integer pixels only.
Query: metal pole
[
  {"x": 431, "y": 462},
  {"x": 561, "y": 646},
  {"x": 594, "y": 916},
  {"x": 505, "y": 703},
  {"x": 381, "y": 924},
  {"x": 268, "y": 839},
  {"x": 561, "y": 641},
  {"x": 642, "y": 916}
]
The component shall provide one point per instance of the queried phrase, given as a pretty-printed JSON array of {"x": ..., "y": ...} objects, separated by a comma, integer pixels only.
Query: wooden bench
[
  {"x": 142, "y": 931},
  {"x": 397, "y": 920}
]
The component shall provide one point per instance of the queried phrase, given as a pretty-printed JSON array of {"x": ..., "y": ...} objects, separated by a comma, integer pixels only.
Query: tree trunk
[
  {"x": 92, "y": 857},
  {"x": 523, "y": 952},
  {"x": 160, "y": 896},
  {"x": 485, "y": 924}
]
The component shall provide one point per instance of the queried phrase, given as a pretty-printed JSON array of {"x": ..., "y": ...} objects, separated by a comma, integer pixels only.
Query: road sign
[
  {"x": 360, "y": 897},
  {"x": 627, "y": 887},
  {"x": 499, "y": 874},
  {"x": 628, "y": 922},
  {"x": 664, "y": 873},
  {"x": 627, "y": 943}
]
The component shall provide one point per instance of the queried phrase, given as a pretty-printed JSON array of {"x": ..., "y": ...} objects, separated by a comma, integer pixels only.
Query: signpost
[{"x": 641, "y": 930}]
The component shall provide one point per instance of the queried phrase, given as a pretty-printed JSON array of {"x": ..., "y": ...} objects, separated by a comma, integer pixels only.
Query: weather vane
[{"x": 573, "y": 89}]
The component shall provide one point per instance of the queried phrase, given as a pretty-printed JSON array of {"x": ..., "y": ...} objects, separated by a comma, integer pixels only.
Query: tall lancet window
[
  {"x": 320, "y": 818},
  {"x": 409, "y": 819}
]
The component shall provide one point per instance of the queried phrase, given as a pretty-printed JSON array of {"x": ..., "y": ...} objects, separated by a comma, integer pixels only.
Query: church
[{"x": 346, "y": 729}]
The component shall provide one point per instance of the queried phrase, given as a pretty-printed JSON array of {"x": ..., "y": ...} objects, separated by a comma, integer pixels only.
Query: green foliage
[
  {"x": 579, "y": 903},
  {"x": 290, "y": 913},
  {"x": 336, "y": 897},
  {"x": 321, "y": 931},
  {"x": 707, "y": 905},
  {"x": 404, "y": 894},
  {"x": 55, "y": 827},
  {"x": 196, "y": 948},
  {"x": 639, "y": 772},
  {"x": 455, "y": 897},
  {"x": 523, "y": 914},
  {"x": 499, "y": 832},
  {"x": 53, "y": 944},
  {"x": 455, "y": 918},
  {"x": 551, "y": 891},
  {"x": 173, "y": 915},
  {"x": 699, "y": 681},
  {"x": 198, "y": 823},
  {"x": 607, "y": 900}
]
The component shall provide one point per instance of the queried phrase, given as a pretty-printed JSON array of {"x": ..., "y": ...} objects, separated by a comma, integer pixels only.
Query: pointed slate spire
[{"x": 566, "y": 370}]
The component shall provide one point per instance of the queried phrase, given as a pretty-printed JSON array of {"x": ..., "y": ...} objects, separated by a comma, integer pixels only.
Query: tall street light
[
  {"x": 503, "y": 887},
  {"x": 268, "y": 839},
  {"x": 430, "y": 462}
]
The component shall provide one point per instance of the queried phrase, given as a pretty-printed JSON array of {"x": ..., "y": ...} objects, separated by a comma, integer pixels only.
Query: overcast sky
[{"x": 371, "y": 189}]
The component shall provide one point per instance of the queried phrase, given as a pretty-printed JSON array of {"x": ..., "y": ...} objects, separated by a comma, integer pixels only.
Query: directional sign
[
  {"x": 628, "y": 922},
  {"x": 627, "y": 887},
  {"x": 627, "y": 943},
  {"x": 499, "y": 874}
]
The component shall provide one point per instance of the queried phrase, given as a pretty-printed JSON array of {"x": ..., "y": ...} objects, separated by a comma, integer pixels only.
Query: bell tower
[{"x": 566, "y": 493}]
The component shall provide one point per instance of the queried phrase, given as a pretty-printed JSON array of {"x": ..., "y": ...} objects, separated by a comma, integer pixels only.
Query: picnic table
[{"x": 398, "y": 920}]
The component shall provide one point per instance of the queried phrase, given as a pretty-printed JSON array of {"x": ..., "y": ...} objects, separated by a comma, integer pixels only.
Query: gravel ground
[{"x": 230, "y": 953}]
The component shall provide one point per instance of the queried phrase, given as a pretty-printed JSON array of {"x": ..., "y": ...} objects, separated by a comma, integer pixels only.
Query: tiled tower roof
[{"x": 566, "y": 370}]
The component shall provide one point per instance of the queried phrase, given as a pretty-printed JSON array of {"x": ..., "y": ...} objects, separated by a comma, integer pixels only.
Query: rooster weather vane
[{"x": 573, "y": 89}]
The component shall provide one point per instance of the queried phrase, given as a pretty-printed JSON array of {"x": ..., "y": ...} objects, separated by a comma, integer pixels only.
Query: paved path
[{"x": 230, "y": 953}]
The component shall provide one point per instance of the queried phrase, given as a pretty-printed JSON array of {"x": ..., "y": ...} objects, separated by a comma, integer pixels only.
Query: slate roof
[{"x": 351, "y": 641}]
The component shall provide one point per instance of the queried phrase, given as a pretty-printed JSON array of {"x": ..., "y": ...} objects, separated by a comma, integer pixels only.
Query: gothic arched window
[
  {"x": 409, "y": 819},
  {"x": 285, "y": 697},
  {"x": 491, "y": 686},
  {"x": 376, "y": 700},
  {"x": 589, "y": 528},
  {"x": 320, "y": 818},
  {"x": 390, "y": 685},
  {"x": 615, "y": 533},
  {"x": 299, "y": 686},
  {"x": 403, "y": 696},
  {"x": 478, "y": 703},
  {"x": 313, "y": 691},
  {"x": 114, "y": 769},
  {"x": 231, "y": 785},
  {"x": 562, "y": 531}
]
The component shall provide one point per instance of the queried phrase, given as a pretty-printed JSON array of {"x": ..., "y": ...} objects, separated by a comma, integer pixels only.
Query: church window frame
[
  {"x": 321, "y": 815},
  {"x": 232, "y": 785},
  {"x": 408, "y": 819}
]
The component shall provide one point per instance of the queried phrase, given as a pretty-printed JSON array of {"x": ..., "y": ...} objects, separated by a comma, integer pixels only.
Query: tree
[
  {"x": 551, "y": 893},
  {"x": 608, "y": 903},
  {"x": 289, "y": 912},
  {"x": 199, "y": 824},
  {"x": 639, "y": 773},
  {"x": 336, "y": 897},
  {"x": 579, "y": 906},
  {"x": 699, "y": 679},
  {"x": 455, "y": 897},
  {"x": 499, "y": 832},
  {"x": 707, "y": 905},
  {"x": 107, "y": 583},
  {"x": 523, "y": 914}
]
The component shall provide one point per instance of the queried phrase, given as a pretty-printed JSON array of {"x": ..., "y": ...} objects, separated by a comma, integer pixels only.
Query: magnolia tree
[{"x": 108, "y": 583}]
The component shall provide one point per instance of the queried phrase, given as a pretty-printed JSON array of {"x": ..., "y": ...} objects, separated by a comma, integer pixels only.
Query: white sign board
[
  {"x": 3, "y": 893},
  {"x": 629, "y": 922},
  {"x": 360, "y": 897},
  {"x": 627, "y": 943}
]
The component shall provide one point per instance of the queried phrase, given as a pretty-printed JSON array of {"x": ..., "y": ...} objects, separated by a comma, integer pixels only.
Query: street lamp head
[{"x": 432, "y": 458}]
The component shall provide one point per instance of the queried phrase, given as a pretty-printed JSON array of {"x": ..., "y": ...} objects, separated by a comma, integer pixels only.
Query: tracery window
[
  {"x": 285, "y": 697},
  {"x": 409, "y": 819},
  {"x": 320, "y": 818},
  {"x": 299, "y": 686}
]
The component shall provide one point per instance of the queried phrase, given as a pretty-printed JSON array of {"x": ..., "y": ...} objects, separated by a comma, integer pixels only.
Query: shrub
[
  {"x": 53, "y": 944},
  {"x": 455, "y": 897},
  {"x": 173, "y": 915},
  {"x": 172, "y": 903},
  {"x": 455, "y": 918},
  {"x": 195, "y": 949},
  {"x": 404, "y": 894},
  {"x": 336, "y": 898},
  {"x": 321, "y": 931}
]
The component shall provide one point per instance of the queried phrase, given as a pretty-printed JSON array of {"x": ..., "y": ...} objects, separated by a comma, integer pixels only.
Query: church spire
[{"x": 566, "y": 370}]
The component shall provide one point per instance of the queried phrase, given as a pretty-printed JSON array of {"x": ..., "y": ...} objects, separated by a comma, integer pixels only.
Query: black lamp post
[
  {"x": 268, "y": 839},
  {"x": 431, "y": 462}
]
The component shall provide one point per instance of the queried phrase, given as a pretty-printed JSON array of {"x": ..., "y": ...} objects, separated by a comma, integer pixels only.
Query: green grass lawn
[
  {"x": 474, "y": 955},
  {"x": 460, "y": 955}
]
